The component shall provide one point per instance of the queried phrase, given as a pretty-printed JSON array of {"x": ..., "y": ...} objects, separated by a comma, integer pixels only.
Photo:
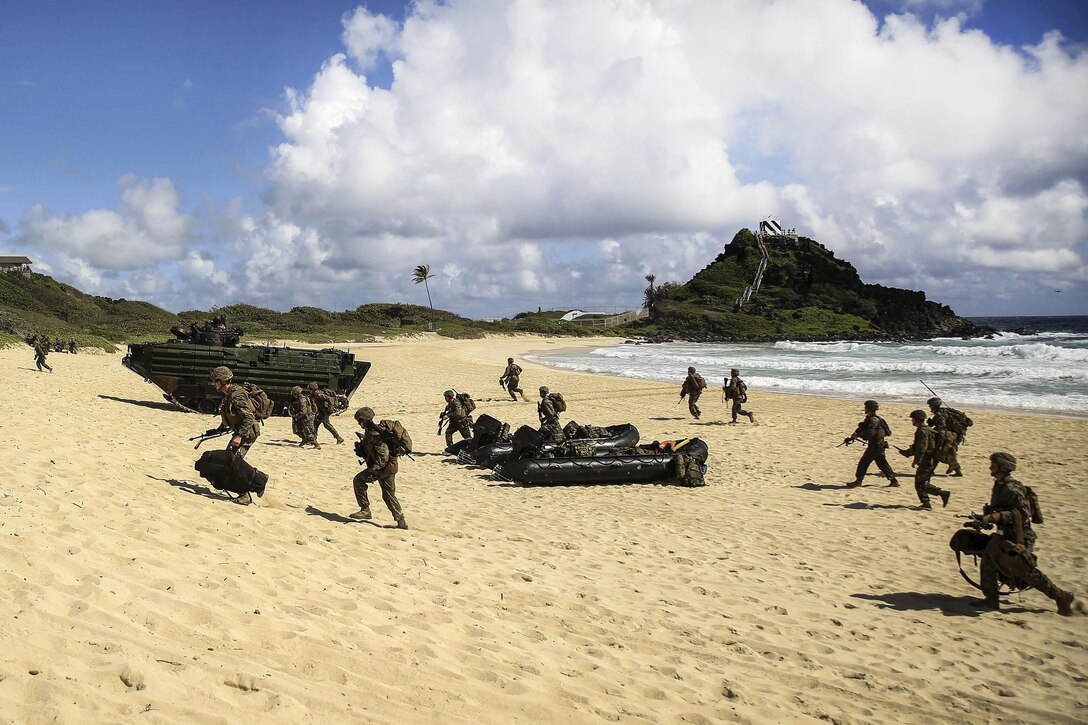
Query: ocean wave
[{"x": 1032, "y": 351}]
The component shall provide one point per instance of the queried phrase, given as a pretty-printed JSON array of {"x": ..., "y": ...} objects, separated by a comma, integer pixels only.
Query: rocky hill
[{"x": 806, "y": 293}]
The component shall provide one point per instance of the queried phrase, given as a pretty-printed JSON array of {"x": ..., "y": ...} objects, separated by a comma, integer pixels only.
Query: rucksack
[
  {"x": 396, "y": 437},
  {"x": 558, "y": 403},
  {"x": 957, "y": 422},
  {"x": 466, "y": 402},
  {"x": 262, "y": 404},
  {"x": 699, "y": 381},
  {"x": 1033, "y": 501}
]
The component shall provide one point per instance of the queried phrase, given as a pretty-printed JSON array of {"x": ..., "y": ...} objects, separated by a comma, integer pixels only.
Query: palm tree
[
  {"x": 422, "y": 273},
  {"x": 650, "y": 295}
]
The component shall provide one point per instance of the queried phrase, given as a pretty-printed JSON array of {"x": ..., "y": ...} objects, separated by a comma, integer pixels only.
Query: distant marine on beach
[{"x": 179, "y": 367}]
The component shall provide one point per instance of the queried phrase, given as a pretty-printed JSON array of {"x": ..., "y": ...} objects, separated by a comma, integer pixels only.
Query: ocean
[{"x": 1043, "y": 372}]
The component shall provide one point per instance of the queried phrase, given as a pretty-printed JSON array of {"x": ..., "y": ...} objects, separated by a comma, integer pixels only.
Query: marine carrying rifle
[
  {"x": 208, "y": 435},
  {"x": 978, "y": 522}
]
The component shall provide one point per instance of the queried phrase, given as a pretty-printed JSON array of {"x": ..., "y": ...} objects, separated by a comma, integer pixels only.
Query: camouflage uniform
[
  {"x": 302, "y": 419},
  {"x": 947, "y": 441},
  {"x": 693, "y": 387},
  {"x": 236, "y": 410},
  {"x": 324, "y": 402},
  {"x": 511, "y": 378},
  {"x": 1009, "y": 501},
  {"x": 549, "y": 418},
  {"x": 734, "y": 390},
  {"x": 457, "y": 419},
  {"x": 72, "y": 346},
  {"x": 924, "y": 450},
  {"x": 40, "y": 353},
  {"x": 873, "y": 430},
  {"x": 380, "y": 467}
]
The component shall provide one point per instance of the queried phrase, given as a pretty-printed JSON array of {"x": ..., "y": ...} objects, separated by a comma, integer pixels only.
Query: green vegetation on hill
[
  {"x": 36, "y": 303},
  {"x": 32, "y": 303},
  {"x": 806, "y": 292}
]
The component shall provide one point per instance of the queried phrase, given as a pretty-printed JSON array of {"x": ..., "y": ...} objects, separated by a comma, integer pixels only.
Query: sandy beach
[{"x": 134, "y": 593}]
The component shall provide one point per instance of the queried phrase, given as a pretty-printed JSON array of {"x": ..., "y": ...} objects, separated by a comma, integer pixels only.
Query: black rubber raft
[
  {"x": 496, "y": 454},
  {"x": 647, "y": 468}
]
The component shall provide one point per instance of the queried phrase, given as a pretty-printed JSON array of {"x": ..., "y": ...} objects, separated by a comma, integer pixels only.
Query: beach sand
[{"x": 133, "y": 593}]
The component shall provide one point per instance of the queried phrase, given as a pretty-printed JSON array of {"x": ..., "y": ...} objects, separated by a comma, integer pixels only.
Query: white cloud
[
  {"x": 146, "y": 229},
  {"x": 553, "y": 152},
  {"x": 516, "y": 125}
]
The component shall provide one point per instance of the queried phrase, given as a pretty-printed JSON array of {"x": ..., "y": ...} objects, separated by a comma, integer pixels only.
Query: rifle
[
  {"x": 502, "y": 382},
  {"x": 902, "y": 451},
  {"x": 846, "y": 441},
  {"x": 442, "y": 419},
  {"x": 208, "y": 435},
  {"x": 978, "y": 523}
]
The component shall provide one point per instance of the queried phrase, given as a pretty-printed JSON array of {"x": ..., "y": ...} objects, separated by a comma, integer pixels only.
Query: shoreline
[{"x": 896, "y": 400}]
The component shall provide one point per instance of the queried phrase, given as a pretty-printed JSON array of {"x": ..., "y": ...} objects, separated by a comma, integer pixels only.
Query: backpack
[
  {"x": 466, "y": 402},
  {"x": 395, "y": 436},
  {"x": 262, "y": 404},
  {"x": 1033, "y": 500},
  {"x": 957, "y": 422},
  {"x": 558, "y": 403},
  {"x": 516, "y": 369},
  {"x": 699, "y": 381}
]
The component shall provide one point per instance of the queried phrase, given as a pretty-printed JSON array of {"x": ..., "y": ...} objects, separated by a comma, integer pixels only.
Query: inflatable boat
[
  {"x": 682, "y": 463},
  {"x": 528, "y": 439},
  {"x": 485, "y": 431}
]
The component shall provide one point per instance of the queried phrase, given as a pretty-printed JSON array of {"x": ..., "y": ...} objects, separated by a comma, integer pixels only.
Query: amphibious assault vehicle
[{"x": 180, "y": 368}]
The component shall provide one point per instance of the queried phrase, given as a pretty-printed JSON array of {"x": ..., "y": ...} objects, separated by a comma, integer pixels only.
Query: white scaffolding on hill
[{"x": 768, "y": 229}]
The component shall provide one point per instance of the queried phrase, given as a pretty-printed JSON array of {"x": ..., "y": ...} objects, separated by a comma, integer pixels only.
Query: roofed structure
[{"x": 15, "y": 264}]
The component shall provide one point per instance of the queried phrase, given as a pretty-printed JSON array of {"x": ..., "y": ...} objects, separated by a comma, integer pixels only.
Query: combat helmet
[
  {"x": 935, "y": 402},
  {"x": 872, "y": 405},
  {"x": 364, "y": 414},
  {"x": 691, "y": 370},
  {"x": 312, "y": 386},
  {"x": 918, "y": 414},
  {"x": 221, "y": 374},
  {"x": 1004, "y": 461},
  {"x": 296, "y": 390}
]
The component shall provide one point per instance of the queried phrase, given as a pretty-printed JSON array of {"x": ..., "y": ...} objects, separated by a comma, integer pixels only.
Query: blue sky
[{"x": 154, "y": 150}]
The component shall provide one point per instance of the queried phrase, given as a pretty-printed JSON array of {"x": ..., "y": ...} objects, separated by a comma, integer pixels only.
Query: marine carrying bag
[
  {"x": 466, "y": 402},
  {"x": 396, "y": 437},
  {"x": 262, "y": 404},
  {"x": 1033, "y": 500},
  {"x": 958, "y": 422}
]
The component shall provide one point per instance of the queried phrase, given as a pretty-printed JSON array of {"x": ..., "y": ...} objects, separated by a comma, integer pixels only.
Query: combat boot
[
  {"x": 945, "y": 495},
  {"x": 401, "y": 523},
  {"x": 1065, "y": 603},
  {"x": 854, "y": 484},
  {"x": 362, "y": 514},
  {"x": 339, "y": 440},
  {"x": 894, "y": 483},
  {"x": 317, "y": 446},
  {"x": 244, "y": 499},
  {"x": 990, "y": 602},
  {"x": 927, "y": 506},
  {"x": 751, "y": 417}
]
